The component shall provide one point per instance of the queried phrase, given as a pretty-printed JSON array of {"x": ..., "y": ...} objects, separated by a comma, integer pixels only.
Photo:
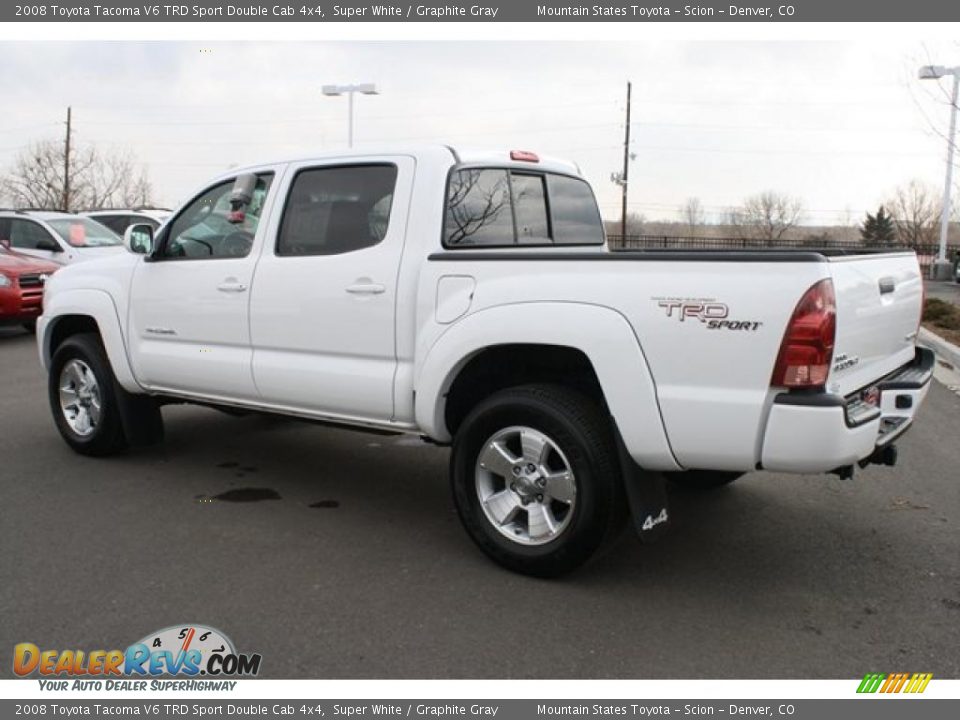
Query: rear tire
[
  {"x": 88, "y": 404},
  {"x": 535, "y": 479},
  {"x": 702, "y": 480}
]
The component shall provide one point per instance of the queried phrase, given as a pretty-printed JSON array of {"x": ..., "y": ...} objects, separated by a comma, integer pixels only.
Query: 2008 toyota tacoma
[{"x": 470, "y": 298}]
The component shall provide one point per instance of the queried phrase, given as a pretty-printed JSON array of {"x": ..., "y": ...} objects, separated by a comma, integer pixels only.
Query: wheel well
[
  {"x": 68, "y": 325},
  {"x": 504, "y": 366}
]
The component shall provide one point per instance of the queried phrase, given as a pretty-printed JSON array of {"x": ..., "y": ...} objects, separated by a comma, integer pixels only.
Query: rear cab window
[{"x": 507, "y": 207}]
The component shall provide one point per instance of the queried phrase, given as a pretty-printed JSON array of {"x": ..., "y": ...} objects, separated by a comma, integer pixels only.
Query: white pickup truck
[{"x": 469, "y": 298}]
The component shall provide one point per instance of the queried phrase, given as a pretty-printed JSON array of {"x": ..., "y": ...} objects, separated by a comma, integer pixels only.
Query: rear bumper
[{"x": 819, "y": 432}]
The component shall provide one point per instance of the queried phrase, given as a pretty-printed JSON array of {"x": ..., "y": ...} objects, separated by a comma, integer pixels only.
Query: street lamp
[
  {"x": 943, "y": 268},
  {"x": 350, "y": 90}
]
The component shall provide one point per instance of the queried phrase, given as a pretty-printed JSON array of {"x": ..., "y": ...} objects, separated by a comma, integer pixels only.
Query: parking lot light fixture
[
  {"x": 942, "y": 269},
  {"x": 350, "y": 91}
]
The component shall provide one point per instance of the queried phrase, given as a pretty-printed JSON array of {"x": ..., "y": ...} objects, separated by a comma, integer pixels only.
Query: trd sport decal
[{"x": 714, "y": 315}]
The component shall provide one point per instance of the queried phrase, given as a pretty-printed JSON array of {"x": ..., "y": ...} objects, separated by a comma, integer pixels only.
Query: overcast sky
[{"x": 837, "y": 124}]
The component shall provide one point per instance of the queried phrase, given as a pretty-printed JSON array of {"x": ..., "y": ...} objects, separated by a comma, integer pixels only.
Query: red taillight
[
  {"x": 807, "y": 348},
  {"x": 524, "y": 156}
]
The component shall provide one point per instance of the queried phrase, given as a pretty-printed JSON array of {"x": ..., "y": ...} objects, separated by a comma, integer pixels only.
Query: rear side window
[
  {"x": 576, "y": 219},
  {"x": 498, "y": 207},
  {"x": 335, "y": 210}
]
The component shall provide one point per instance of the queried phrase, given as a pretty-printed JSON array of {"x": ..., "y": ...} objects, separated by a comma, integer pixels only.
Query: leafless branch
[{"x": 97, "y": 180}]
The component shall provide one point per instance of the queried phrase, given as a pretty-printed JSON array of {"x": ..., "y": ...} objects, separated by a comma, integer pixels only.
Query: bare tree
[
  {"x": 636, "y": 223},
  {"x": 472, "y": 206},
  {"x": 115, "y": 181},
  {"x": 766, "y": 216},
  {"x": 916, "y": 212},
  {"x": 97, "y": 180},
  {"x": 692, "y": 213}
]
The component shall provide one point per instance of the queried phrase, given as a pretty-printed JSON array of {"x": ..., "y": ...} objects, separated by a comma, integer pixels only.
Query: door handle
[
  {"x": 231, "y": 287},
  {"x": 366, "y": 288}
]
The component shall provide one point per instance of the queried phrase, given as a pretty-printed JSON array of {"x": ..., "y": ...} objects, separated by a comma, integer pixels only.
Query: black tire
[
  {"x": 30, "y": 326},
  {"x": 701, "y": 480},
  {"x": 582, "y": 432},
  {"x": 107, "y": 436}
]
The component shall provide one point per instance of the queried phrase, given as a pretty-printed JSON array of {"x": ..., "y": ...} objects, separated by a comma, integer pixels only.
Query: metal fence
[{"x": 926, "y": 253}]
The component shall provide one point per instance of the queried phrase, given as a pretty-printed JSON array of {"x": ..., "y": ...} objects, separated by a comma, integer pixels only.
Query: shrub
[{"x": 935, "y": 310}]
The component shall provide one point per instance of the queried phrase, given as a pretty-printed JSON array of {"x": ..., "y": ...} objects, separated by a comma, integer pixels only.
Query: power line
[
  {"x": 29, "y": 127},
  {"x": 777, "y": 128},
  {"x": 313, "y": 118}
]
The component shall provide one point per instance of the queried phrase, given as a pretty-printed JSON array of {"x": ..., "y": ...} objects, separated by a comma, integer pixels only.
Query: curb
[{"x": 946, "y": 350}]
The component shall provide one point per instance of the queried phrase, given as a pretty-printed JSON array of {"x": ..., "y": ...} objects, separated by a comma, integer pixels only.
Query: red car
[{"x": 21, "y": 287}]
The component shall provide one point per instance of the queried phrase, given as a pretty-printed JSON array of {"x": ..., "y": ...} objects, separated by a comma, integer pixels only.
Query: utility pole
[
  {"x": 65, "y": 203},
  {"x": 626, "y": 168}
]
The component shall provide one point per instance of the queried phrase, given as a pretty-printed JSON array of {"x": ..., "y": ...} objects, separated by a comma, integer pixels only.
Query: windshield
[{"x": 84, "y": 233}]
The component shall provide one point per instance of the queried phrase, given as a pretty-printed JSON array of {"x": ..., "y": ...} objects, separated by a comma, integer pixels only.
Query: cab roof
[{"x": 458, "y": 155}]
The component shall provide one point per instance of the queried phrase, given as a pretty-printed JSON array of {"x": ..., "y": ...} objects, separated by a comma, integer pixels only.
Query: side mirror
[
  {"x": 139, "y": 239},
  {"x": 49, "y": 246}
]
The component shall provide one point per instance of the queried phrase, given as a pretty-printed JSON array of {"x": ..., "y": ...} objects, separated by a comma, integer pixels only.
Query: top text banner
[{"x": 490, "y": 11}]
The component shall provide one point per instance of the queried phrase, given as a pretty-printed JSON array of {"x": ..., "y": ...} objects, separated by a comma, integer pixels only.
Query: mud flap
[
  {"x": 140, "y": 415},
  {"x": 647, "y": 495}
]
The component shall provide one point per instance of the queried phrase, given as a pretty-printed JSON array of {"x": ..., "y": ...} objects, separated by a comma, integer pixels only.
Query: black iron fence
[{"x": 926, "y": 253}]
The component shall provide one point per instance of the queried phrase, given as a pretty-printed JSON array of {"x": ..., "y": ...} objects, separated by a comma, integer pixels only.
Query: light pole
[
  {"x": 349, "y": 90},
  {"x": 943, "y": 269}
]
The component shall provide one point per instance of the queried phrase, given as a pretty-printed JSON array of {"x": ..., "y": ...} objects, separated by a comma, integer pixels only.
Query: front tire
[
  {"x": 535, "y": 479},
  {"x": 84, "y": 397}
]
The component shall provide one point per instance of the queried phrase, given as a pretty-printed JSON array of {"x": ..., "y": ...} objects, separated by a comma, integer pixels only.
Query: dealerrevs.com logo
[
  {"x": 888, "y": 683},
  {"x": 179, "y": 651}
]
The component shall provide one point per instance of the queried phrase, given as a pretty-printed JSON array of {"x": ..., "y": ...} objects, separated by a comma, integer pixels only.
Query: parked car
[
  {"x": 22, "y": 279},
  {"x": 60, "y": 237},
  {"x": 470, "y": 298},
  {"x": 119, "y": 220}
]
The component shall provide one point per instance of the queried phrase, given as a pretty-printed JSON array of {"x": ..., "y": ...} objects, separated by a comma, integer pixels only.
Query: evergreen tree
[{"x": 878, "y": 229}]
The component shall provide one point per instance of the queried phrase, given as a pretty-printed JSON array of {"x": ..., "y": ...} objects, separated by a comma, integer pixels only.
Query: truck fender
[
  {"x": 610, "y": 345},
  {"x": 98, "y": 305}
]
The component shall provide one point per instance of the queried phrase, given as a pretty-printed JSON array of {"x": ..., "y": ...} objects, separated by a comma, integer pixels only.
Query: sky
[{"x": 838, "y": 125}]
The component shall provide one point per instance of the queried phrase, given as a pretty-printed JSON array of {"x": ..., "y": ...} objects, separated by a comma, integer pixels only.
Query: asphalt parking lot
[{"x": 358, "y": 567}]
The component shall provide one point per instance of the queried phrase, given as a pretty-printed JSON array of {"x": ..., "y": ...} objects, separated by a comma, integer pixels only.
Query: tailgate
[{"x": 879, "y": 298}]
